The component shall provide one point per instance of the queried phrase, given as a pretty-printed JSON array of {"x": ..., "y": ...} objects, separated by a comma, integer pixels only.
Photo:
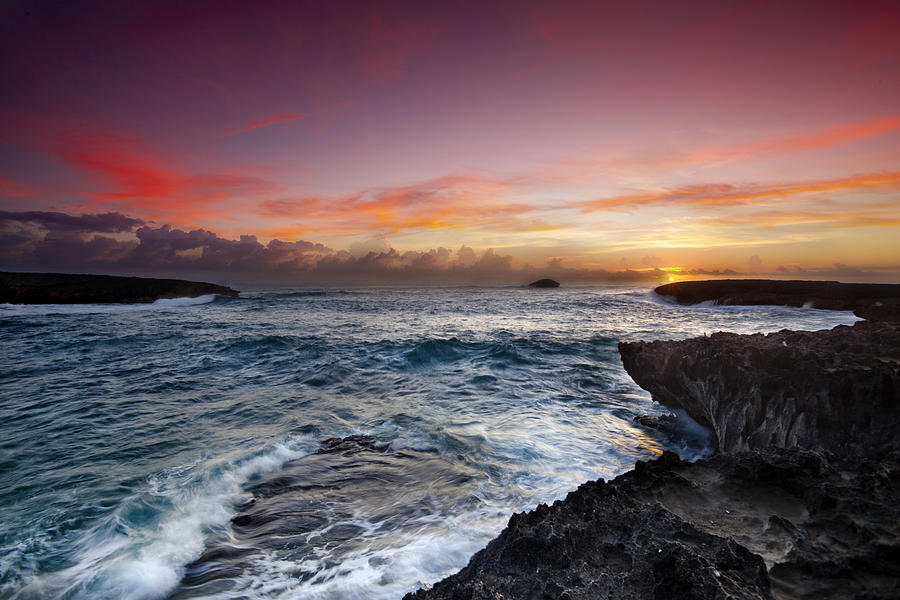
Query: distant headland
[
  {"x": 865, "y": 299},
  {"x": 61, "y": 288}
]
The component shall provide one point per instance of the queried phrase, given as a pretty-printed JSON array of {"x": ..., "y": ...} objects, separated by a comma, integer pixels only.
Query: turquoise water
[{"x": 133, "y": 435}]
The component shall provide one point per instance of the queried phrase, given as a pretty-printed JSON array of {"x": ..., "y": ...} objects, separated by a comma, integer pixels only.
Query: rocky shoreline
[
  {"x": 60, "y": 288},
  {"x": 834, "y": 389},
  {"x": 802, "y": 500},
  {"x": 868, "y": 300}
]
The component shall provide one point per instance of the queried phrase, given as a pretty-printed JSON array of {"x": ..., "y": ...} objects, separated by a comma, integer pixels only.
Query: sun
[{"x": 671, "y": 278}]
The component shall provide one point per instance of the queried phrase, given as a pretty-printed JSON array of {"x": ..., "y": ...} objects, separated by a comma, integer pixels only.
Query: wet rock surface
[
  {"x": 60, "y": 288},
  {"x": 802, "y": 502}
]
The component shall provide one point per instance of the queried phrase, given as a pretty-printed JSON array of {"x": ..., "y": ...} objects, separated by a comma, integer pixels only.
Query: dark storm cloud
[{"x": 71, "y": 251}]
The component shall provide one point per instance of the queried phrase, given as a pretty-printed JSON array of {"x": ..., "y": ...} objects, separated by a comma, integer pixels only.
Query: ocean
[{"x": 174, "y": 449}]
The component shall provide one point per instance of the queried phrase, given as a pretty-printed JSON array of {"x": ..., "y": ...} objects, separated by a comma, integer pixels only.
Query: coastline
[
  {"x": 61, "y": 288},
  {"x": 799, "y": 502}
]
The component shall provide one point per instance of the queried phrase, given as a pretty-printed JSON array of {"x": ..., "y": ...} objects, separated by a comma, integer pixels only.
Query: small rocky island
[
  {"x": 801, "y": 501},
  {"x": 544, "y": 283},
  {"x": 59, "y": 288}
]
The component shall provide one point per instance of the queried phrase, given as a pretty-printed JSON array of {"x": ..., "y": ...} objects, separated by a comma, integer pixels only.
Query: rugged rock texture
[
  {"x": 58, "y": 288},
  {"x": 820, "y": 294},
  {"x": 837, "y": 389},
  {"x": 779, "y": 524},
  {"x": 802, "y": 503},
  {"x": 544, "y": 283}
]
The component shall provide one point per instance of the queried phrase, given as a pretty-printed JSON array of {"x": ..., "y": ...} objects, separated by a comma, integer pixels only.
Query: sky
[{"x": 451, "y": 141}]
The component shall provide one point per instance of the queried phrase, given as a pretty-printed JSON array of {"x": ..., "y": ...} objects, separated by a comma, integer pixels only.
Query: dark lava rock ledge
[
  {"x": 801, "y": 502},
  {"x": 60, "y": 288},
  {"x": 776, "y": 524}
]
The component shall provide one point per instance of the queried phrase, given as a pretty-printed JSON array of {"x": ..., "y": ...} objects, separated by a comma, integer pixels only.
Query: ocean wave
[
  {"x": 13, "y": 310},
  {"x": 140, "y": 551},
  {"x": 436, "y": 351},
  {"x": 529, "y": 395},
  {"x": 519, "y": 351},
  {"x": 177, "y": 302},
  {"x": 359, "y": 521}
]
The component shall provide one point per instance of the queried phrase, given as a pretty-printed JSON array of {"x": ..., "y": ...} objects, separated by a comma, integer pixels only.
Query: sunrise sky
[{"x": 433, "y": 138}]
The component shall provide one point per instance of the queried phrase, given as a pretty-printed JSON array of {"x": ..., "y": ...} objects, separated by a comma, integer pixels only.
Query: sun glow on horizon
[{"x": 413, "y": 134}]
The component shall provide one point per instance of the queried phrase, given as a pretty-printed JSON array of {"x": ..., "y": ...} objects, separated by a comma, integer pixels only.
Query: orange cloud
[
  {"x": 778, "y": 218},
  {"x": 276, "y": 120},
  {"x": 458, "y": 202},
  {"x": 711, "y": 195},
  {"x": 567, "y": 170},
  {"x": 822, "y": 138}
]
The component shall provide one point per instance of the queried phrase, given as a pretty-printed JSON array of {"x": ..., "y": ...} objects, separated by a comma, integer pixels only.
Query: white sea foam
[
  {"x": 386, "y": 568},
  {"x": 120, "y": 559},
  {"x": 745, "y": 318},
  {"x": 176, "y": 302},
  {"x": 14, "y": 310},
  {"x": 530, "y": 434}
]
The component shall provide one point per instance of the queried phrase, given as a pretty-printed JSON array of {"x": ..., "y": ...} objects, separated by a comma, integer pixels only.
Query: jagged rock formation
[
  {"x": 59, "y": 288},
  {"x": 830, "y": 295},
  {"x": 834, "y": 389},
  {"x": 776, "y": 524},
  {"x": 802, "y": 502},
  {"x": 544, "y": 283}
]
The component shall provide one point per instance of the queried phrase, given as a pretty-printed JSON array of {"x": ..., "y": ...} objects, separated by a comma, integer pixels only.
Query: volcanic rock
[
  {"x": 802, "y": 502},
  {"x": 838, "y": 389},
  {"x": 776, "y": 524}
]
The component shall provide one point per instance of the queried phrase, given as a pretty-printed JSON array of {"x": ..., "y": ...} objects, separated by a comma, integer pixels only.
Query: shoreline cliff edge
[{"x": 800, "y": 500}]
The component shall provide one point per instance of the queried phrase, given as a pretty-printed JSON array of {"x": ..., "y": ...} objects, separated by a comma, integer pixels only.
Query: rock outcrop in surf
[
  {"x": 803, "y": 500},
  {"x": 60, "y": 288}
]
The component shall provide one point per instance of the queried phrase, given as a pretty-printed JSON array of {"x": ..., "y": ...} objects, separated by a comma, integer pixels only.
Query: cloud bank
[
  {"x": 50, "y": 241},
  {"x": 118, "y": 244}
]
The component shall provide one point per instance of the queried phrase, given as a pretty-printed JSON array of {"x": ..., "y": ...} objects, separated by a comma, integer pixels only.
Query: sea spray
[
  {"x": 139, "y": 552},
  {"x": 133, "y": 435}
]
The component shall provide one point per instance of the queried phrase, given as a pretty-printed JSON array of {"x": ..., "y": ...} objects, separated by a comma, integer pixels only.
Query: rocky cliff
[
  {"x": 837, "y": 390},
  {"x": 802, "y": 502},
  {"x": 780, "y": 524},
  {"x": 58, "y": 288}
]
